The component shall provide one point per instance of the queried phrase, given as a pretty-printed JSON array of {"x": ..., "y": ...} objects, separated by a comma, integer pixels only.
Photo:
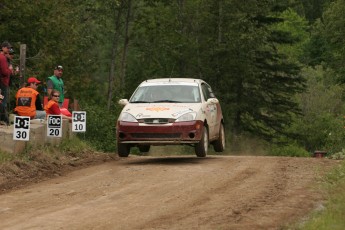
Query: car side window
[{"x": 207, "y": 91}]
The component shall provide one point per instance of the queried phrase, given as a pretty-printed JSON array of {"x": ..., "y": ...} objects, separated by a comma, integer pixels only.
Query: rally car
[{"x": 171, "y": 111}]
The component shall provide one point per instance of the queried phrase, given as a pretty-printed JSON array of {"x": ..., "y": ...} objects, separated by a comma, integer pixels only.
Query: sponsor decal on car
[
  {"x": 181, "y": 112},
  {"x": 140, "y": 115},
  {"x": 157, "y": 109}
]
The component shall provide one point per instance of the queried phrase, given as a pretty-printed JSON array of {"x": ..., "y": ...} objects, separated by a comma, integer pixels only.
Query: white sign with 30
[{"x": 21, "y": 128}]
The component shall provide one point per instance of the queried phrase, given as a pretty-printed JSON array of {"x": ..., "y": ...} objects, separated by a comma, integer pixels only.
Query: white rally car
[{"x": 170, "y": 111}]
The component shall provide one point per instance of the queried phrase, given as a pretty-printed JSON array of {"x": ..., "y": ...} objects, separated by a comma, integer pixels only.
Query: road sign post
[
  {"x": 54, "y": 126},
  {"x": 21, "y": 128},
  {"x": 78, "y": 121}
]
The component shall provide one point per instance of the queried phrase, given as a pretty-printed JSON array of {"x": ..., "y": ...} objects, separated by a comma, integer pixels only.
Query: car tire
[
  {"x": 144, "y": 148},
  {"x": 123, "y": 150},
  {"x": 219, "y": 144},
  {"x": 201, "y": 148}
]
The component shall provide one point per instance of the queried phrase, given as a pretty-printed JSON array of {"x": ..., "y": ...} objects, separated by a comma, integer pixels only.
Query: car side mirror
[
  {"x": 123, "y": 102},
  {"x": 212, "y": 101}
]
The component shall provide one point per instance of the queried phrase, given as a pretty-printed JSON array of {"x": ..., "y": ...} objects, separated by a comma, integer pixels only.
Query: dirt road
[{"x": 184, "y": 192}]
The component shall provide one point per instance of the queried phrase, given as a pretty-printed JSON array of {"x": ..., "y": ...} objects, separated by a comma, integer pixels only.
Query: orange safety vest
[
  {"x": 48, "y": 106},
  {"x": 26, "y": 102}
]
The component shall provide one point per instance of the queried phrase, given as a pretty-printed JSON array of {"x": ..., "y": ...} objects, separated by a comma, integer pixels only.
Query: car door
[{"x": 210, "y": 109}]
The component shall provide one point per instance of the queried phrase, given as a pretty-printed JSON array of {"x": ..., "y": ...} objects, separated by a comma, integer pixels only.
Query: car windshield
[{"x": 166, "y": 94}]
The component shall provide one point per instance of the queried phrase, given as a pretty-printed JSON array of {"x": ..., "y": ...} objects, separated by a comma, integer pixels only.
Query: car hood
[{"x": 161, "y": 110}]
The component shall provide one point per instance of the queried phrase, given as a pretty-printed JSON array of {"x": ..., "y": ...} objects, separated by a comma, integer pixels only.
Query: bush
[
  {"x": 322, "y": 132},
  {"x": 101, "y": 127},
  {"x": 289, "y": 150},
  {"x": 322, "y": 124},
  {"x": 74, "y": 146},
  {"x": 338, "y": 155}
]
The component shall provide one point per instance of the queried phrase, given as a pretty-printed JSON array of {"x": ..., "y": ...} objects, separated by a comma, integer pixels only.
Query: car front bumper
[{"x": 188, "y": 132}]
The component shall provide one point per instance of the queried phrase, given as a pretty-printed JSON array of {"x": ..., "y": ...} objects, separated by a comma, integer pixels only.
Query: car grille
[
  {"x": 156, "y": 120},
  {"x": 156, "y": 135}
]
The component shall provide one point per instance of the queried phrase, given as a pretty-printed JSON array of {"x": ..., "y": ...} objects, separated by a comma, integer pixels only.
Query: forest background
[{"x": 277, "y": 66}]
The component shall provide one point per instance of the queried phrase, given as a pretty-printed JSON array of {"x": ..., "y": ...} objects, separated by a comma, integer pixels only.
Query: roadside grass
[
  {"x": 333, "y": 215},
  {"x": 5, "y": 157},
  {"x": 39, "y": 162},
  {"x": 288, "y": 150},
  {"x": 73, "y": 147}
]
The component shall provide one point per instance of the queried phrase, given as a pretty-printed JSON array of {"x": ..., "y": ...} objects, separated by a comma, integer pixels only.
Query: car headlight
[
  {"x": 187, "y": 117},
  {"x": 127, "y": 117}
]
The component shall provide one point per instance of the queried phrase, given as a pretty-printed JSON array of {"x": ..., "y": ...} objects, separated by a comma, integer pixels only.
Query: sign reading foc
[
  {"x": 54, "y": 126},
  {"x": 21, "y": 128}
]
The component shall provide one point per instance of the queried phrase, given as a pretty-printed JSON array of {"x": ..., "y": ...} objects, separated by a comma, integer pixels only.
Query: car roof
[{"x": 173, "y": 80}]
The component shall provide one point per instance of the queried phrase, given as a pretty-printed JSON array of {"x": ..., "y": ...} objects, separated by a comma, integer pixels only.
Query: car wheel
[
  {"x": 144, "y": 148},
  {"x": 123, "y": 150},
  {"x": 219, "y": 144},
  {"x": 201, "y": 148}
]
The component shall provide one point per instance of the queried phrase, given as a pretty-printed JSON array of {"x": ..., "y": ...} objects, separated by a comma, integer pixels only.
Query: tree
[
  {"x": 261, "y": 81},
  {"x": 117, "y": 22},
  {"x": 313, "y": 9},
  {"x": 332, "y": 31},
  {"x": 321, "y": 126},
  {"x": 231, "y": 45}
]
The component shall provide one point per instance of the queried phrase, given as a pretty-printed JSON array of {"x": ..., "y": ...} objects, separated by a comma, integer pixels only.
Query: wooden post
[
  {"x": 22, "y": 59},
  {"x": 75, "y": 105}
]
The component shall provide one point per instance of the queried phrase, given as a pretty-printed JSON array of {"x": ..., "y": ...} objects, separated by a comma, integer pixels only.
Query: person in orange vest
[
  {"x": 52, "y": 107},
  {"x": 28, "y": 102}
]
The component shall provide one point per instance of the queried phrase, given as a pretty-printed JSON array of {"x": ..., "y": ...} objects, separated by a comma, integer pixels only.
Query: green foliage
[
  {"x": 291, "y": 150},
  {"x": 313, "y": 9},
  {"x": 332, "y": 30},
  {"x": 251, "y": 54},
  {"x": 321, "y": 132},
  {"x": 4, "y": 157},
  {"x": 297, "y": 27},
  {"x": 264, "y": 81},
  {"x": 322, "y": 125},
  {"x": 74, "y": 145},
  {"x": 338, "y": 155},
  {"x": 101, "y": 126},
  {"x": 317, "y": 51}
]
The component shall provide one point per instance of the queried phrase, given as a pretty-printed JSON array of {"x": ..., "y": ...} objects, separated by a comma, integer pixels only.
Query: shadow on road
[{"x": 168, "y": 160}]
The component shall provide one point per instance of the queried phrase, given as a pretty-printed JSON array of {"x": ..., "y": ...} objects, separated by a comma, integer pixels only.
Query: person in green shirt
[{"x": 55, "y": 82}]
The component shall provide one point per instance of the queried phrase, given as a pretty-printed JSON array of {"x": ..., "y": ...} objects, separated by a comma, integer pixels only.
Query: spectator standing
[
  {"x": 28, "y": 102},
  {"x": 5, "y": 73},
  {"x": 10, "y": 57},
  {"x": 52, "y": 107},
  {"x": 13, "y": 80},
  {"x": 56, "y": 82}
]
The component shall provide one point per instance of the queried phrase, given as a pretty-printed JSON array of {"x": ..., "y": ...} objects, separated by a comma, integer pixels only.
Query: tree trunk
[
  {"x": 219, "y": 42},
  {"x": 125, "y": 47},
  {"x": 181, "y": 62},
  {"x": 113, "y": 54}
]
